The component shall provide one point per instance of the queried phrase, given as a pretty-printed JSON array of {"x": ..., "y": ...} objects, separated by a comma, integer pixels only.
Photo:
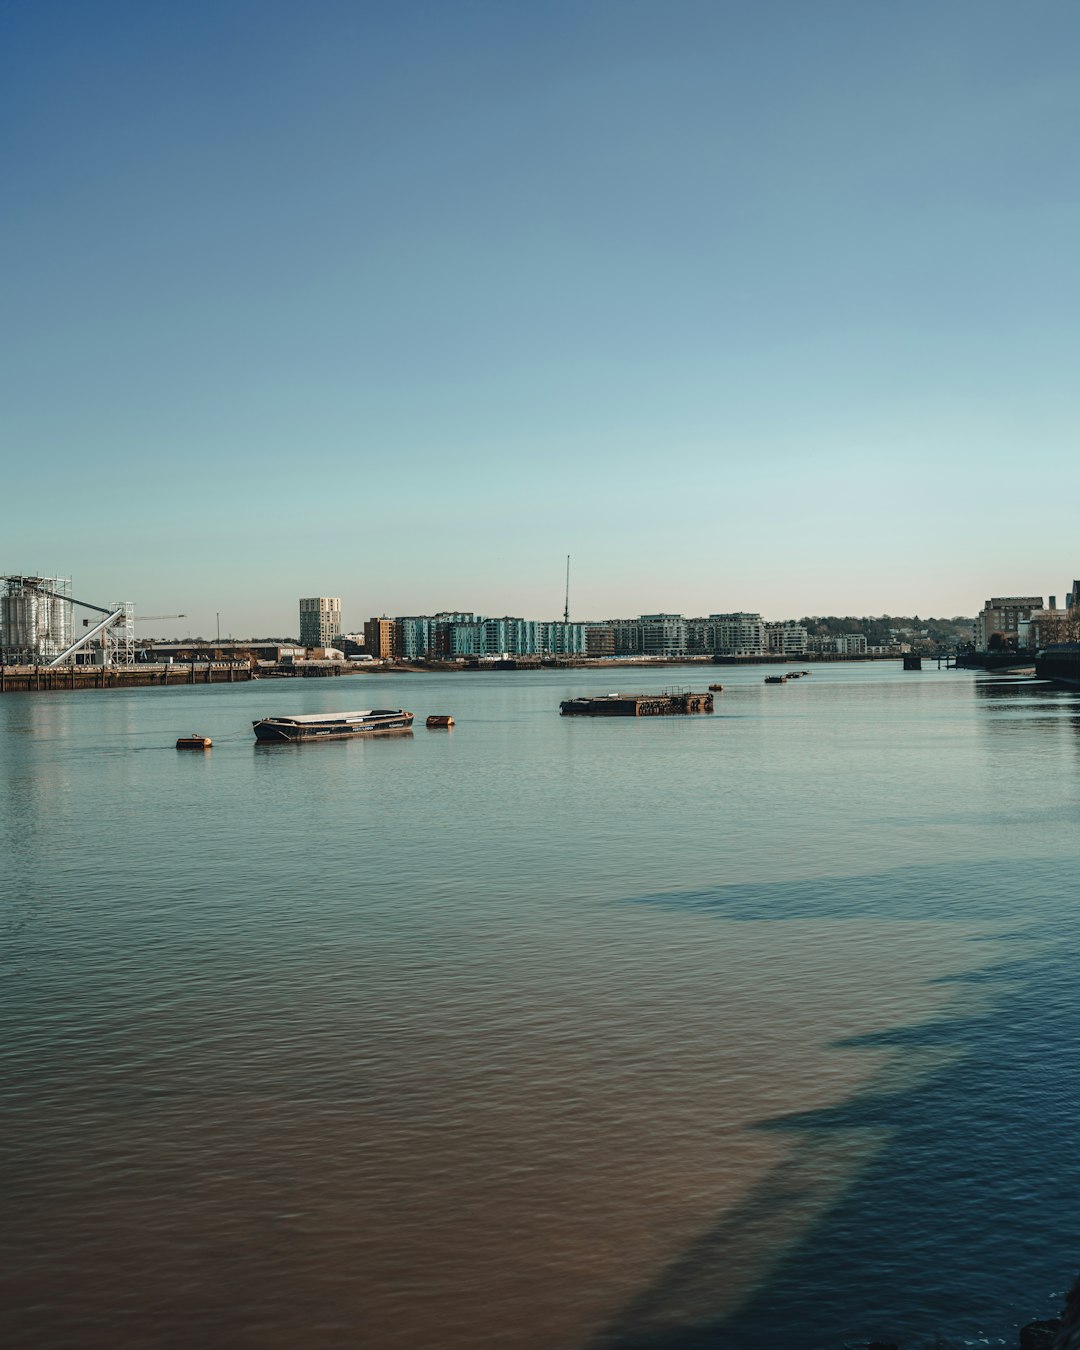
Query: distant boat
[
  {"x": 717, "y": 688},
  {"x": 194, "y": 742},
  {"x": 775, "y": 679},
  {"x": 332, "y": 726}
]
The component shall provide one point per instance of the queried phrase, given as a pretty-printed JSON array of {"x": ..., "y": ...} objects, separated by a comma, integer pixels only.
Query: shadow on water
[
  {"x": 936, "y": 1206},
  {"x": 1037, "y": 891}
]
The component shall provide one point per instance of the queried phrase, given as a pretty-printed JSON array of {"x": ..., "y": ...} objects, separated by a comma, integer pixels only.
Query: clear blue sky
[{"x": 766, "y": 306}]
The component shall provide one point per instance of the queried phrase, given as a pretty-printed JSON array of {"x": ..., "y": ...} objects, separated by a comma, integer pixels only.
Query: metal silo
[{"x": 35, "y": 619}]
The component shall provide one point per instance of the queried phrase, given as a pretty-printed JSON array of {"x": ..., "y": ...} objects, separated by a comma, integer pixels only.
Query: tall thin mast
[{"x": 566, "y": 607}]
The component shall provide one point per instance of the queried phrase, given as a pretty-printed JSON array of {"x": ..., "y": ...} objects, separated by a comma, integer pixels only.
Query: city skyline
[
  {"x": 351, "y": 616},
  {"x": 739, "y": 307}
]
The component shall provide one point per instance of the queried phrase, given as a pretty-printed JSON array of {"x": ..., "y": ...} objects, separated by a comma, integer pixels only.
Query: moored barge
[
  {"x": 332, "y": 726},
  {"x": 665, "y": 704}
]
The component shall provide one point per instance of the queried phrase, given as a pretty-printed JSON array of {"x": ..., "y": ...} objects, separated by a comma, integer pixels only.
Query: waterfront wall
[
  {"x": 1060, "y": 664},
  {"x": 37, "y": 679}
]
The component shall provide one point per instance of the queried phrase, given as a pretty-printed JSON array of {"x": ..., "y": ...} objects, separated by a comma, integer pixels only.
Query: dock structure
[
  {"x": 664, "y": 704},
  {"x": 34, "y": 679}
]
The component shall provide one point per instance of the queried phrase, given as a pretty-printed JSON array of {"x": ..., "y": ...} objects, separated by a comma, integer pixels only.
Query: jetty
[{"x": 667, "y": 703}]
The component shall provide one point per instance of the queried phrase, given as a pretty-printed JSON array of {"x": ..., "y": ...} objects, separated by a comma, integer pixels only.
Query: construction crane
[{"x": 148, "y": 618}]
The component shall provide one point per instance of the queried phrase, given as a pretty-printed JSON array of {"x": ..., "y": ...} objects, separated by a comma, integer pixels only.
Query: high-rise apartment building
[
  {"x": 382, "y": 638},
  {"x": 320, "y": 621}
]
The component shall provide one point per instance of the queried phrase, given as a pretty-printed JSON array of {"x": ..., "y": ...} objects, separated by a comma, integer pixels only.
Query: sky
[{"x": 766, "y": 306}]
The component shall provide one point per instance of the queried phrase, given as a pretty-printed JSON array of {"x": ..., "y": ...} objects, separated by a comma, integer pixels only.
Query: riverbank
[{"x": 48, "y": 679}]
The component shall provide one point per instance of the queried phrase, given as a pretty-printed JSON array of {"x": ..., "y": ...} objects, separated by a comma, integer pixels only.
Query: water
[{"x": 747, "y": 1031}]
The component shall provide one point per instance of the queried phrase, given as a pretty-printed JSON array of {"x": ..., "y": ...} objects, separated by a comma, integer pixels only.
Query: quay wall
[
  {"x": 1060, "y": 664},
  {"x": 40, "y": 679}
]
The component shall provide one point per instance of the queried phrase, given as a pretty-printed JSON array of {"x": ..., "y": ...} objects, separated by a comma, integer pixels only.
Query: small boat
[
  {"x": 332, "y": 726},
  {"x": 775, "y": 679},
  {"x": 194, "y": 742},
  {"x": 717, "y": 688},
  {"x": 438, "y": 720}
]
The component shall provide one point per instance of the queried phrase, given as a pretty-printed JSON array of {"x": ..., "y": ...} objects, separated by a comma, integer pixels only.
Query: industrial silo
[{"x": 35, "y": 619}]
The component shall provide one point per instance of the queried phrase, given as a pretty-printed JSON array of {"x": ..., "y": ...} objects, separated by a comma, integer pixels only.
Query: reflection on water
[{"x": 712, "y": 1032}]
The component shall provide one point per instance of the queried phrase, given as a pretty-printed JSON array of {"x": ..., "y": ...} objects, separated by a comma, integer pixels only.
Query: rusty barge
[{"x": 667, "y": 703}]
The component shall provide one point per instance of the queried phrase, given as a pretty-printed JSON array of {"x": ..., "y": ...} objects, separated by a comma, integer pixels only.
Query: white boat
[{"x": 332, "y": 726}]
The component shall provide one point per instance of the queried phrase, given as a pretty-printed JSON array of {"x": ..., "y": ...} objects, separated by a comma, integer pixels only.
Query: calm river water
[{"x": 747, "y": 1032}]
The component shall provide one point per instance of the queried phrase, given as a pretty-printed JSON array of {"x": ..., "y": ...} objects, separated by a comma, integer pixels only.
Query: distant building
[
  {"x": 510, "y": 637},
  {"x": 851, "y": 644},
  {"x": 465, "y": 637},
  {"x": 352, "y": 644},
  {"x": 738, "y": 634},
  {"x": 562, "y": 639},
  {"x": 1051, "y": 625},
  {"x": 382, "y": 638},
  {"x": 320, "y": 621},
  {"x": 417, "y": 636},
  {"x": 440, "y": 636},
  {"x": 459, "y": 635},
  {"x": 228, "y": 649},
  {"x": 599, "y": 639},
  {"x": 786, "y": 639},
  {"x": 1002, "y": 615},
  {"x": 626, "y": 637},
  {"x": 663, "y": 635},
  {"x": 446, "y": 625}
]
